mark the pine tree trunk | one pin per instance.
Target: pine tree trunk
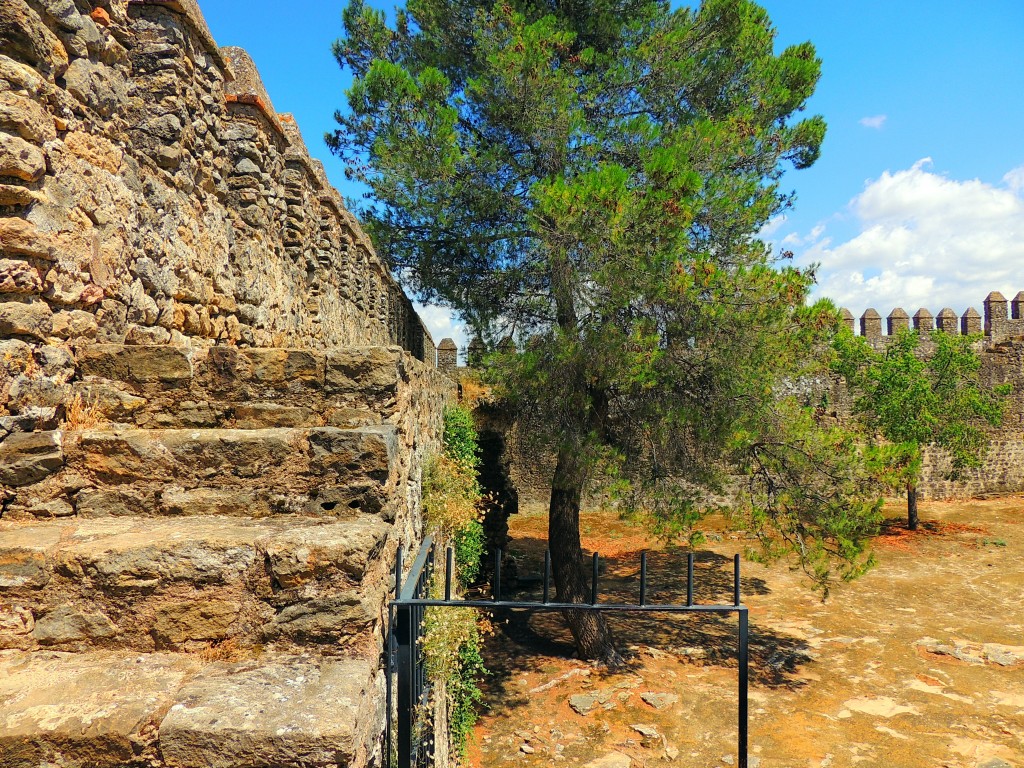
(589, 629)
(911, 507)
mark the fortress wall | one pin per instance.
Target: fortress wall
(149, 193)
(1000, 346)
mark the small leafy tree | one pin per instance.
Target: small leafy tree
(913, 397)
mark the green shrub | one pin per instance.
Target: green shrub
(460, 438)
(469, 546)
(451, 508)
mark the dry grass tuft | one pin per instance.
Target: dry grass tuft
(229, 650)
(82, 414)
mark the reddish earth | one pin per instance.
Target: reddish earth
(919, 663)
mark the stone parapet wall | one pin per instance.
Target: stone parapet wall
(1001, 349)
(1003, 320)
(149, 193)
(215, 407)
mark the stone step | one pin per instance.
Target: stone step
(186, 583)
(174, 710)
(251, 472)
(163, 386)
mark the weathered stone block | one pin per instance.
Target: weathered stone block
(142, 364)
(37, 392)
(372, 371)
(262, 415)
(231, 716)
(114, 502)
(65, 624)
(14, 194)
(16, 620)
(325, 619)
(228, 502)
(178, 623)
(324, 552)
(28, 457)
(74, 324)
(26, 318)
(108, 400)
(99, 707)
(23, 554)
(290, 367)
(356, 496)
(20, 159)
(27, 118)
(24, 36)
(52, 509)
(19, 276)
(19, 237)
(341, 453)
(144, 557)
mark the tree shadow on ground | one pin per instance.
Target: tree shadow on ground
(523, 637)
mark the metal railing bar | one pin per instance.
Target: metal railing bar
(689, 579)
(449, 566)
(418, 567)
(736, 580)
(547, 575)
(702, 608)
(496, 586)
(406, 614)
(744, 664)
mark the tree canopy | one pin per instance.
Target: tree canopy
(589, 177)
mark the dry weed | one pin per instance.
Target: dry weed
(82, 413)
(229, 650)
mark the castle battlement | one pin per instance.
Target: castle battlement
(1002, 320)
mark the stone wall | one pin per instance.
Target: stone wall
(215, 405)
(1001, 349)
(1002, 361)
(150, 194)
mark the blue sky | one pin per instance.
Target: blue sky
(918, 198)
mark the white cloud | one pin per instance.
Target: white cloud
(1015, 179)
(925, 240)
(772, 226)
(795, 239)
(874, 121)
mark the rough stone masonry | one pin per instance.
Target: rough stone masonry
(215, 403)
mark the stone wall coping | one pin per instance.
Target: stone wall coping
(190, 10)
(247, 86)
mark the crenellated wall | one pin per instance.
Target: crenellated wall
(1000, 346)
(149, 193)
(1002, 320)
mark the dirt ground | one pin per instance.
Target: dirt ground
(919, 663)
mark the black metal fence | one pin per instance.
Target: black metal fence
(410, 746)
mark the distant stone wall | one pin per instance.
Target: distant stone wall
(149, 193)
(1002, 361)
(1001, 349)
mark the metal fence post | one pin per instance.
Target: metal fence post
(406, 686)
(744, 669)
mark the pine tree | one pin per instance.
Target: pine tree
(591, 176)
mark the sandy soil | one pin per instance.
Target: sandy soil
(919, 663)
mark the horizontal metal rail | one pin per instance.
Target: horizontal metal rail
(411, 603)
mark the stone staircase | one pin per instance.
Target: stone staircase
(195, 552)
